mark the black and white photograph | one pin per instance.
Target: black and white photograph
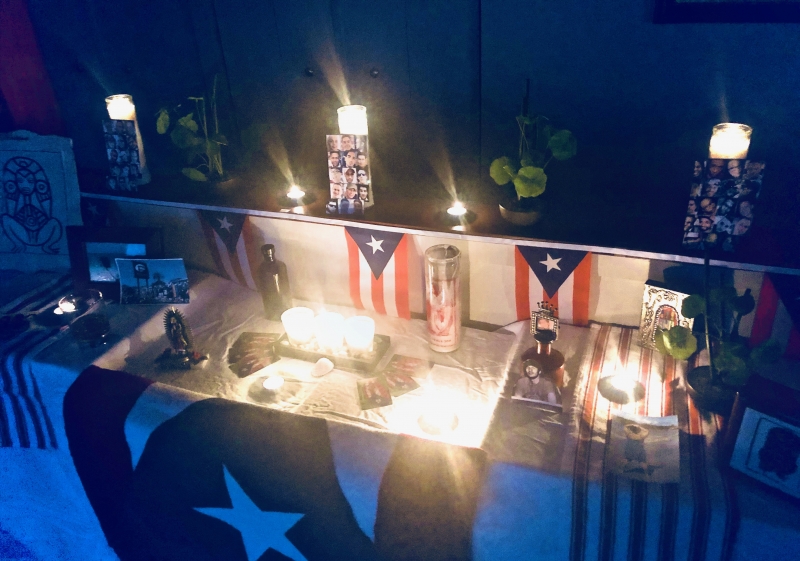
(153, 281)
(349, 173)
(768, 450)
(644, 448)
(722, 201)
(102, 258)
(122, 152)
(535, 386)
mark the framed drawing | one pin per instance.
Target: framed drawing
(763, 436)
(661, 310)
(40, 198)
(93, 251)
(716, 11)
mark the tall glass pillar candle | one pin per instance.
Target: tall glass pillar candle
(120, 107)
(729, 141)
(298, 323)
(329, 330)
(353, 119)
(443, 297)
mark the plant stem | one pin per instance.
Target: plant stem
(706, 282)
(547, 162)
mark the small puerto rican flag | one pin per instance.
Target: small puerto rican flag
(557, 276)
(778, 314)
(378, 275)
(231, 242)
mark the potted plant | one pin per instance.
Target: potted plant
(197, 134)
(713, 386)
(539, 144)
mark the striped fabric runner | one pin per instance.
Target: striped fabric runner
(618, 518)
(24, 420)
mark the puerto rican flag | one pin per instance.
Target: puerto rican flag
(231, 241)
(378, 275)
(556, 276)
(778, 314)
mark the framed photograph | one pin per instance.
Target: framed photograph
(93, 253)
(153, 281)
(722, 202)
(40, 199)
(714, 11)
(349, 173)
(644, 448)
(536, 387)
(661, 311)
(763, 436)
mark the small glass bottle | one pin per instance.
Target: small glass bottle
(273, 284)
(443, 295)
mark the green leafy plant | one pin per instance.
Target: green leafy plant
(197, 134)
(730, 359)
(539, 144)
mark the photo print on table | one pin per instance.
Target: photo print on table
(122, 153)
(721, 202)
(644, 448)
(349, 174)
(153, 281)
(536, 387)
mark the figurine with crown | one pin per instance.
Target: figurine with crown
(544, 328)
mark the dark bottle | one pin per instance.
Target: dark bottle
(273, 284)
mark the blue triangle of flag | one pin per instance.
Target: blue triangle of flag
(376, 246)
(551, 266)
(228, 225)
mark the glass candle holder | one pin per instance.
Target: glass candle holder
(89, 323)
(443, 297)
(353, 119)
(359, 332)
(729, 141)
(298, 323)
(329, 330)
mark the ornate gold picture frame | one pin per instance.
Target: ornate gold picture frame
(661, 310)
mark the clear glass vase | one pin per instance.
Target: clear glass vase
(443, 297)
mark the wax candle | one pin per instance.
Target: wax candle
(458, 209)
(298, 324)
(273, 382)
(295, 193)
(353, 119)
(359, 331)
(729, 141)
(329, 330)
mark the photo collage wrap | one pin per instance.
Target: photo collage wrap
(721, 202)
(349, 174)
(122, 152)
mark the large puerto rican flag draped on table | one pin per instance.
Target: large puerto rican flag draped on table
(231, 242)
(778, 314)
(378, 275)
(557, 276)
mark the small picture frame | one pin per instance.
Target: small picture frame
(93, 251)
(763, 436)
(661, 311)
(544, 323)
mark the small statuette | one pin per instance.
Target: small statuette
(181, 353)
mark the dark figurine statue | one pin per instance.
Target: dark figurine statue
(181, 353)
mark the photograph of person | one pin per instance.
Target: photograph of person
(741, 227)
(691, 210)
(715, 168)
(333, 143)
(735, 168)
(688, 223)
(333, 160)
(535, 386)
(332, 207)
(335, 175)
(725, 206)
(361, 160)
(708, 206)
(712, 186)
(350, 158)
(336, 190)
(696, 188)
(362, 177)
(753, 169)
(705, 222)
(698, 169)
(361, 143)
(351, 191)
(347, 142)
(746, 208)
(723, 225)
(350, 175)
(363, 193)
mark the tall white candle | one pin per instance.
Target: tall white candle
(729, 141)
(353, 119)
(329, 330)
(120, 107)
(359, 331)
(298, 324)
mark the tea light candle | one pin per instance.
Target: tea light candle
(273, 382)
(359, 331)
(353, 119)
(298, 324)
(729, 141)
(296, 193)
(120, 107)
(458, 209)
(329, 330)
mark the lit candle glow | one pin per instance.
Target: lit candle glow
(273, 382)
(359, 332)
(298, 323)
(329, 330)
(458, 209)
(66, 306)
(296, 193)
(353, 119)
(120, 107)
(729, 141)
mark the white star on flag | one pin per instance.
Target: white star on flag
(551, 263)
(93, 209)
(224, 224)
(375, 245)
(260, 530)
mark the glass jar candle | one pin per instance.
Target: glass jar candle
(443, 297)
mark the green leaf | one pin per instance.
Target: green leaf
(188, 122)
(659, 339)
(680, 343)
(184, 138)
(220, 139)
(693, 306)
(194, 174)
(563, 145)
(767, 352)
(530, 182)
(162, 123)
(212, 149)
(734, 370)
(499, 171)
(745, 303)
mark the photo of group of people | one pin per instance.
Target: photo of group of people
(123, 155)
(349, 174)
(721, 202)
